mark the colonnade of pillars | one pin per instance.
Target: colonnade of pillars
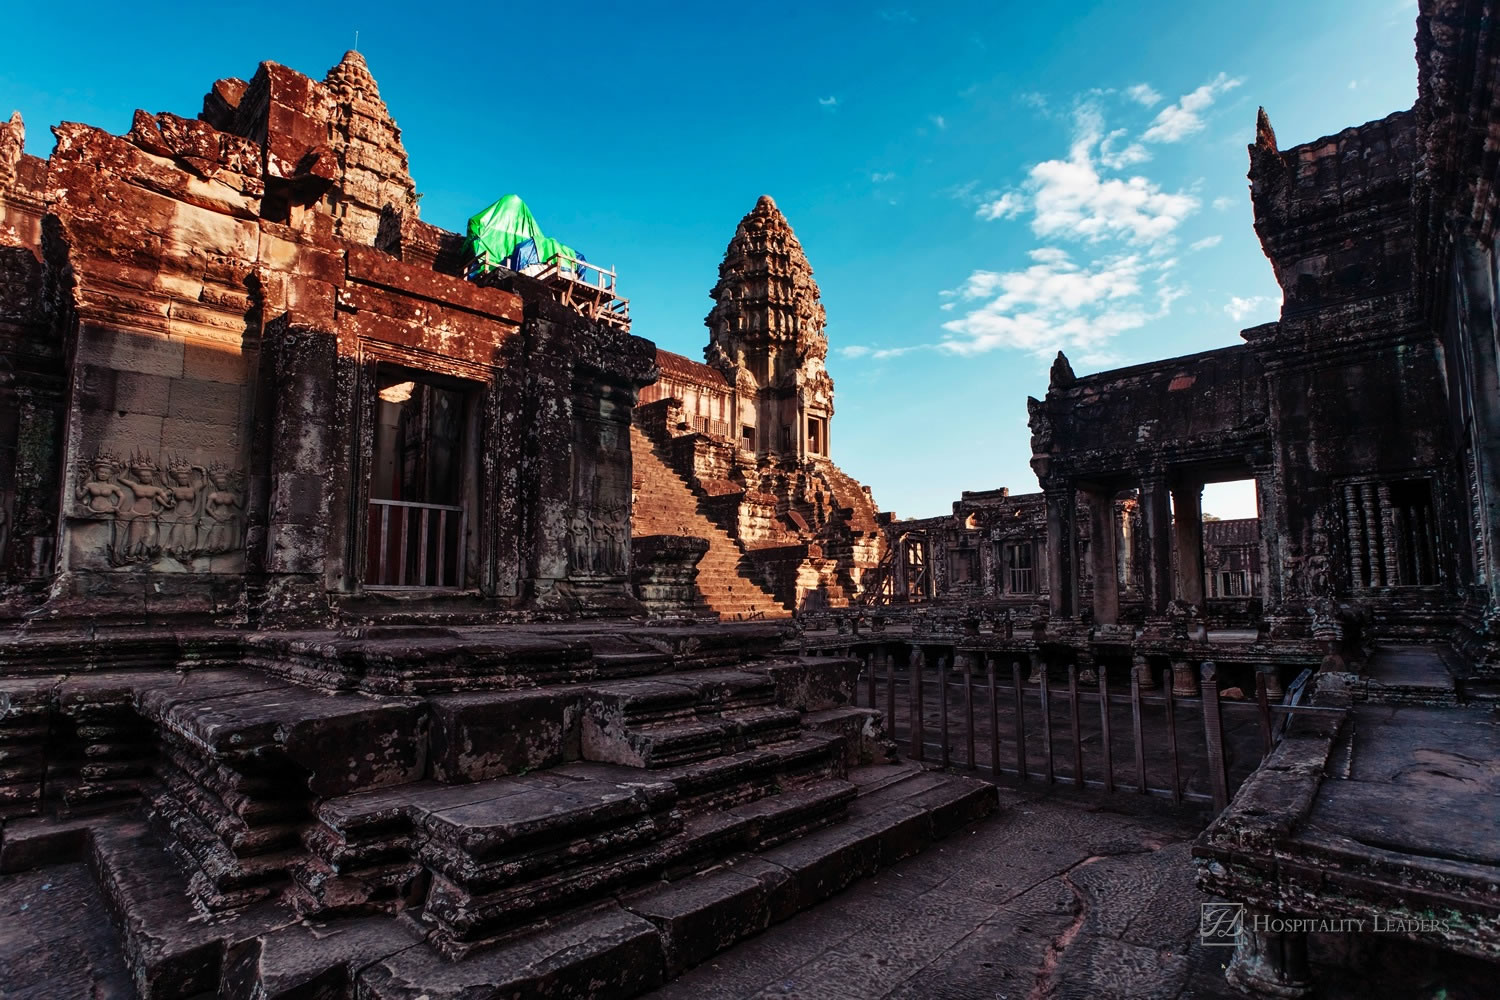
(1165, 533)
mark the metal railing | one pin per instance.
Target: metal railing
(566, 275)
(1174, 745)
(416, 546)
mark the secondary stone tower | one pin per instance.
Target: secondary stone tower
(766, 335)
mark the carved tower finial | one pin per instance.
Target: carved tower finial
(1265, 135)
(1062, 373)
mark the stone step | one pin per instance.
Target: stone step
(622, 948)
(613, 928)
(661, 722)
(862, 730)
(742, 777)
(470, 914)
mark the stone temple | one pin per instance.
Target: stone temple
(323, 650)
(375, 626)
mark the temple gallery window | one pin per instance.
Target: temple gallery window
(418, 519)
(816, 442)
(747, 437)
(963, 566)
(1390, 533)
(1018, 566)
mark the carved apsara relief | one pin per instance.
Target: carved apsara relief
(187, 514)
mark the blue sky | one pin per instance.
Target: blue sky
(976, 185)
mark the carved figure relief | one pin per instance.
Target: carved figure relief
(224, 508)
(194, 512)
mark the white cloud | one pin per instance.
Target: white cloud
(1004, 207)
(853, 351)
(1118, 275)
(902, 16)
(829, 102)
(1055, 304)
(939, 121)
(1178, 121)
(1119, 159)
(881, 178)
(896, 352)
(1206, 242)
(1072, 199)
(1240, 308)
(1224, 203)
(1143, 94)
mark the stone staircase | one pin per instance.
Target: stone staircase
(593, 836)
(666, 505)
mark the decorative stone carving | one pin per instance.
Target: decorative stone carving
(224, 509)
(12, 146)
(198, 511)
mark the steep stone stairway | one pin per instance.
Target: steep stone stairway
(667, 506)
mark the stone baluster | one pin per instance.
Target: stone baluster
(1184, 679)
(1354, 530)
(1372, 522)
(1388, 537)
(1142, 668)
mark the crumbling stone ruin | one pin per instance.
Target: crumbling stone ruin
(748, 433)
(323, 670)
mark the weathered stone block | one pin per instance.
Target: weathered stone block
(481, 736)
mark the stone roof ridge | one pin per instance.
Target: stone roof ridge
(678, 366)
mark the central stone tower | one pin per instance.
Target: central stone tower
(766, 336)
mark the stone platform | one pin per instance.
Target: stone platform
(450, 812)
(1385, 819)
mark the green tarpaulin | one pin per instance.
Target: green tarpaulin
(498, 232)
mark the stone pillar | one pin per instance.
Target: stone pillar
(1268, 512)
(1062, 575)
(1142, 668)
(1184, 679)
(308, 452)
(1156, 520)
(1484, 394)
(1187, 531)
(1269, 963)
(1103, 541)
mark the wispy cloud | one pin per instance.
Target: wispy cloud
(1034, 100)
(939, 121)
(880, 177)
(1073, 199)
(1240, 309)
(1224, 203)
(1176, 122)
(893, 16)
(1119, 277)
(1006, 206)
(829, 102)
(1105, 260)
(853, 351)
(1056, 303)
